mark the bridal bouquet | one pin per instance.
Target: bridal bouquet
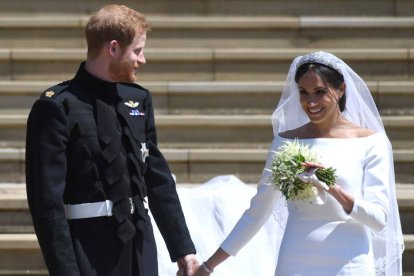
(287, 164)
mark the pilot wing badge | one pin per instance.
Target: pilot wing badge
(134, 111)
(131, 104)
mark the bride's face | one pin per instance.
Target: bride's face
(319, 99)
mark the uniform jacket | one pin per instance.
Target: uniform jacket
(87, 141)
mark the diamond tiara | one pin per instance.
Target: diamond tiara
(320, 57)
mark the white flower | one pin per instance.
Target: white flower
(288, 163)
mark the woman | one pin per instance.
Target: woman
(356, 231)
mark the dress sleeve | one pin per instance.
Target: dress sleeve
(372, 208)
(261, 206)
(47, 136)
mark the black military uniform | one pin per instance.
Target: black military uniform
(91, 141)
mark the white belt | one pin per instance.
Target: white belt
(91, 210)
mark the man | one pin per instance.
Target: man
(92, 160)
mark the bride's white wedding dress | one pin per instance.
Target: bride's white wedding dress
(318, 239)
(324, 239)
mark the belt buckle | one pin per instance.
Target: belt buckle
(108, 208)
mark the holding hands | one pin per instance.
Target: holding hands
(187, 265)
(203, 270)
(207, 268)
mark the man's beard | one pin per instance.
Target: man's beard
(121, 71)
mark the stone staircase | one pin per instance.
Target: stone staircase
(216, 69)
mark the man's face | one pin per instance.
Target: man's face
(125, 64)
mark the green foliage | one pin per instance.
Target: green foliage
(326, 175)
(288, 163)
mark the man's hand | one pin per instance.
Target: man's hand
(187, 265)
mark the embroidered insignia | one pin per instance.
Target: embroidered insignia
(144, 152)
(131, 104)
(49, 94)
(132, 205)
(136, 112)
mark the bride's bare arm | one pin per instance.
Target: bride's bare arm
(217, 258)
(208, 267)
(343, 197)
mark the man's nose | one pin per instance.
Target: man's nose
(141, 59)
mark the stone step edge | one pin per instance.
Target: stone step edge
(204, 155)
(18, 118)
(29, 242)
(220, 22)
(214, 54)
(380, 87)
(13, 196)
(33, 272)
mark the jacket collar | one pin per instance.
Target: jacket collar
(100, 88)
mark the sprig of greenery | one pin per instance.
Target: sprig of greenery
(326, 175)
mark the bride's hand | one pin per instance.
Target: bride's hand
(197, 272)
(310, 177)
(309, 165)
(201, 272)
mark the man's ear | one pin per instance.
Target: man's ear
(113, 47)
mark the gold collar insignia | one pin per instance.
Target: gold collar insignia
(49, 94)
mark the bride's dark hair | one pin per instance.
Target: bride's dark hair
(327, 74)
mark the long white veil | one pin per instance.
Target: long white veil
(213, 208)
(211, 211)
(361, 110)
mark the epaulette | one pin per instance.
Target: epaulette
(53, 91)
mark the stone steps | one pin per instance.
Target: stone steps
(207, 64)
(210, 131)
(217, 97)
(40, 272)
(211, 57)
(18, 245)
(219, 7)
(200, 164)
(15, 217)
(66, 31)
